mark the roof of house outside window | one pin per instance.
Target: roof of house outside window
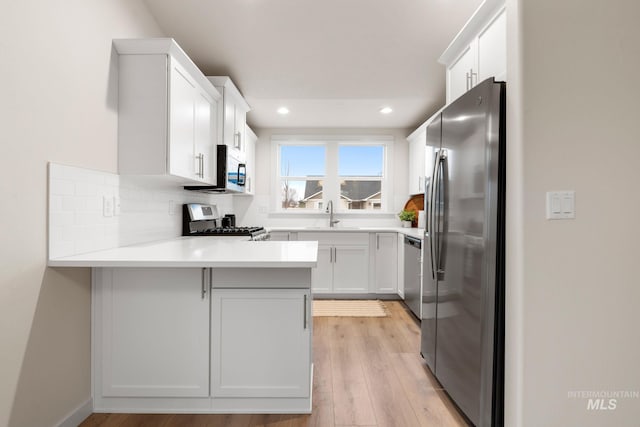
(351, 190)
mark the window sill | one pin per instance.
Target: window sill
(322, 214)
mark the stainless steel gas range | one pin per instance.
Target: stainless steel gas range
(203, 220)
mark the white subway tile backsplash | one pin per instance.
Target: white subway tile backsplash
(61, 187)
(55, 203)
(86, 189)
(76, 221)
(61, 248)
(70, 203)
(91, 204)
(62, 218)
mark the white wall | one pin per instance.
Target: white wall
(572, 286)
(58, 103)
(257, 210)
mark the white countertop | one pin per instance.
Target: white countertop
(200, 252)
(414, 232)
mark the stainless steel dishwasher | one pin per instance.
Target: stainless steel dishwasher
(412, 274)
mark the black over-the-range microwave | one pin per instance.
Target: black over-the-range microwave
(231, 174)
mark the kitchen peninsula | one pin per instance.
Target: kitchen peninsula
(194, 324)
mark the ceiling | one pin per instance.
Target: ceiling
(333, 63)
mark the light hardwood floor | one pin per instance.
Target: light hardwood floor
(368, 372)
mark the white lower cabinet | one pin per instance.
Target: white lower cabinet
(322, 276)
(154, 332)
(350, 268)
(261, 342)
(386, 263)
(343, 262)
(169, 340)
(283, 236)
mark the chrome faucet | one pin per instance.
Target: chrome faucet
(329, 210)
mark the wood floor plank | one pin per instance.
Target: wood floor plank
(352, 402)
(322, 372)
(367, 372)
(430, 404)
(322, 411)
(390, 403)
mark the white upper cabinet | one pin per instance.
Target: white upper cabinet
(420, 158)
(479, 51)
(250, 160)
(232, 115)
(462, 73)
(492, 49)
(417, 164)
(167, 113)
(205, 136)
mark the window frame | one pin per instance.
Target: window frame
(331, 183)
(280, 177)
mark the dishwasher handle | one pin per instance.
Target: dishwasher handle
(413, 241)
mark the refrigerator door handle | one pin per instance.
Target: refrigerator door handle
(442, 235)
(431, 217)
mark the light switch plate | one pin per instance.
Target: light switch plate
(561, 205)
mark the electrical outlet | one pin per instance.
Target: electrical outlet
(172, 207)
(107, 206)
(262, 209)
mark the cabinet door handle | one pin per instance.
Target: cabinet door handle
(335, 254)
(471, 74)
(304, 316)
(237, 139)
(200, 171)
(204, 284)
(378, 241)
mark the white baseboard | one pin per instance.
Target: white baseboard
(78, 415)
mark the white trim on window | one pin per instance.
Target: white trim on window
(331, 186)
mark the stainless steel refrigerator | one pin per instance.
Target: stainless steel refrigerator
(463, 278)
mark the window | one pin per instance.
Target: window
(302, 171)
(360, 171)
(350, 171)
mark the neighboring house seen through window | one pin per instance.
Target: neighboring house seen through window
(349, 171)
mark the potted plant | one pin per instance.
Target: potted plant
(407, 217)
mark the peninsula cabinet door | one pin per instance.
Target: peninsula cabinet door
(261, 342)
(154, 328)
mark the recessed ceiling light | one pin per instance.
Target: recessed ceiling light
(386, 110)
(283, 110)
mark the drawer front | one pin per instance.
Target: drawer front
(336, 237)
